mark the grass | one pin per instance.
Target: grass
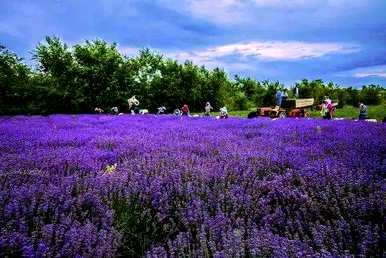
(375, 112)
(240, 113)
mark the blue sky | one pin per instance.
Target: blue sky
(343, 41)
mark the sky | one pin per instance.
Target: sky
(343, 41)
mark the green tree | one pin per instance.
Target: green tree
(371, 94)
(98, 72)
(14, 83)
(147, 73)
(317, 89)
(269, 98)
(58, 75)
(218, 90)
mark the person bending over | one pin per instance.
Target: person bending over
(185, 110)
(362, 111)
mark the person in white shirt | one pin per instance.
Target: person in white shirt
(208, 108)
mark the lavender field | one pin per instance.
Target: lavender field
(133, 186)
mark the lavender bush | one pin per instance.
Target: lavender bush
(107, 186)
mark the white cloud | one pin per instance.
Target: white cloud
(244, 53)
(269, 50)
(377, 71)
(197, 59)
(363, 72)
(370, 74)
(266, 3)
(208, 61)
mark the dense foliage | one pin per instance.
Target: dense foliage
(103, 186)
(79, 78)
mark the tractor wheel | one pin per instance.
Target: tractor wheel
(253, 115)
(273, 114)
(282, 115)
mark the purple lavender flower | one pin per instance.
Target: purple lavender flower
(104, 186)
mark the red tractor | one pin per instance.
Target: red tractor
(289, 108)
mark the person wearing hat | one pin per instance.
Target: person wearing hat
(223, 113)
(161, 110)
(114, 110)
(177, 112)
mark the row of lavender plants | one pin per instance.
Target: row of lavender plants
(133, 186)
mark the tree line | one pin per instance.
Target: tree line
(93, 74)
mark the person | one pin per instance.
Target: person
(133, 105)
(284, 96)
(279, 98)
(296, 91)
(362, 111)
(330, 109)
(143, 111)
(223, 113)
(327, 100)
(208, 108)
(185, 110)
(327, 108)
(114, 110)
(132, 102)
(161, 110)
(98, 110)
(177, 112)
(324, 110)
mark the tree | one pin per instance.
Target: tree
(58, 74)
(98, 72)
(218, 89)
(14, 82)
(269, 98)
(371, 94)
(147, 73)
